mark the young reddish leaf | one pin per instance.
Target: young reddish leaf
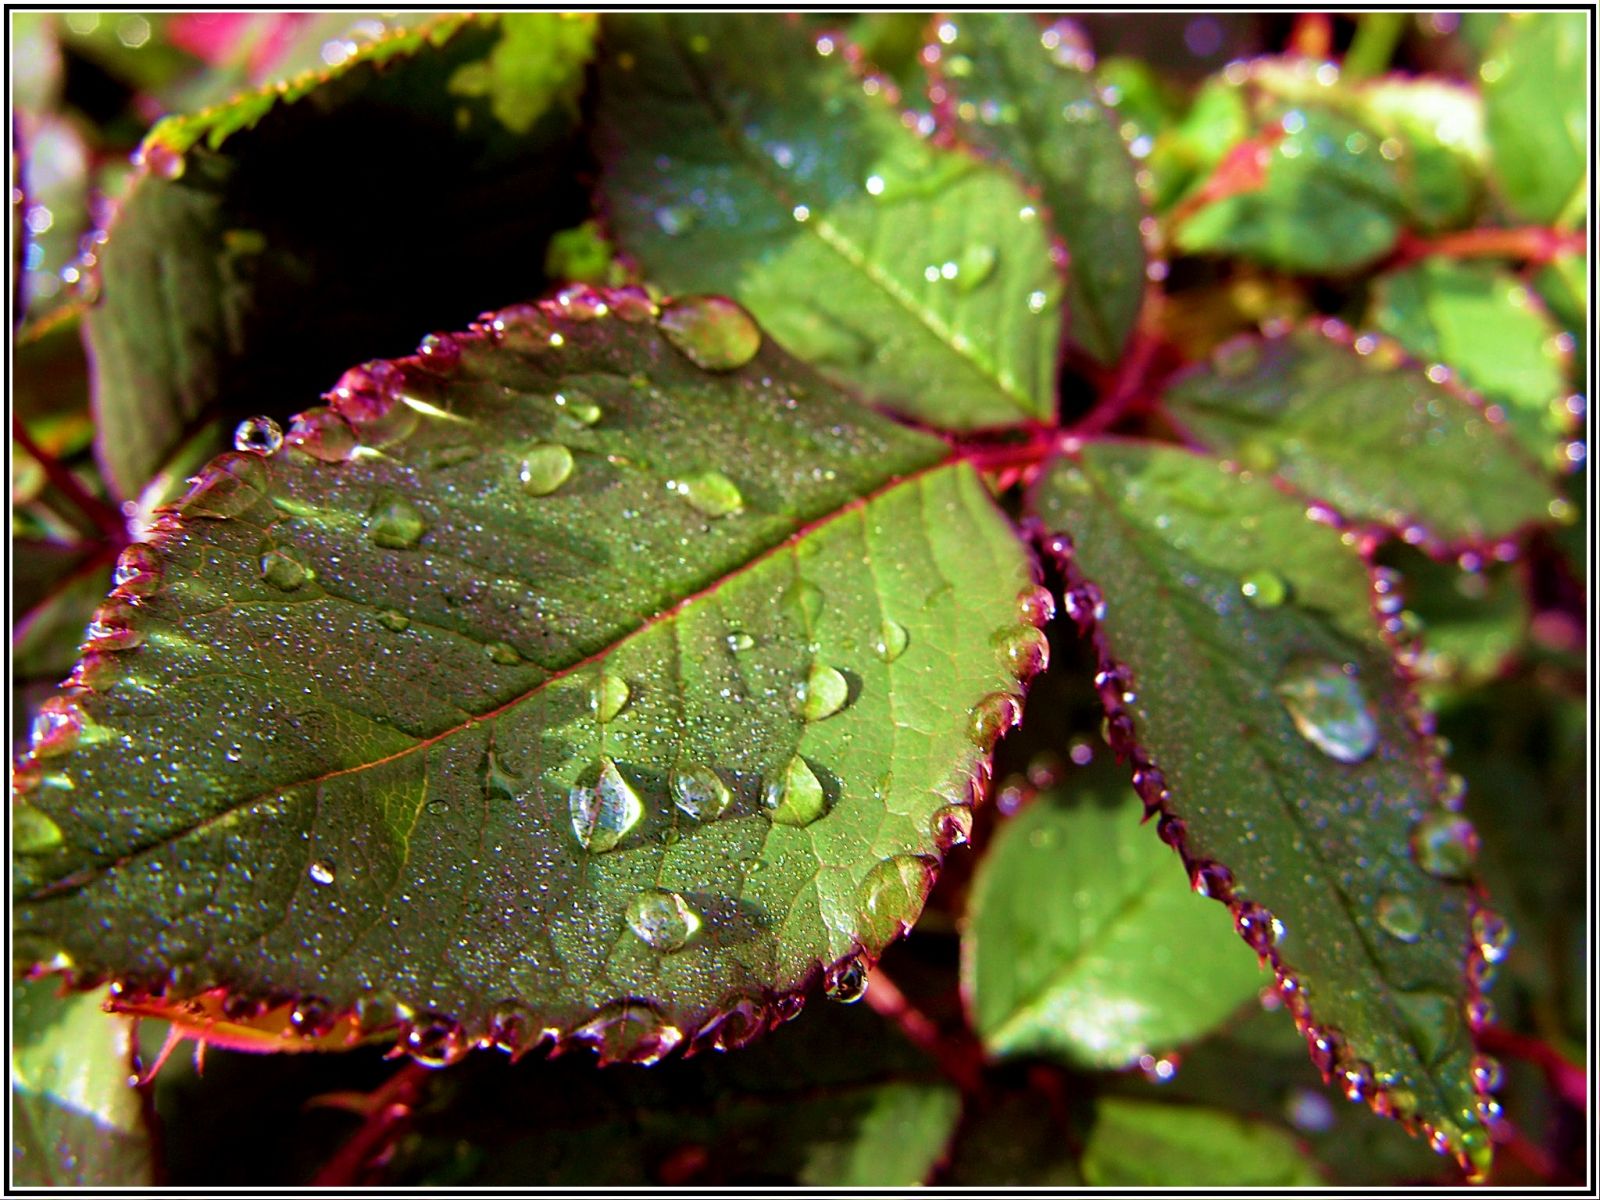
(542, 685)
(1026, 95)
(1357, 426)
(740, 157)
(1269, 726)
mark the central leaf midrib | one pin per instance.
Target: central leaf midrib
(861, 263)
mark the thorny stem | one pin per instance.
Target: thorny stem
(958, 1057)
(391, 1106)
(106, 519)
(1568, 1079)
(1533, 243)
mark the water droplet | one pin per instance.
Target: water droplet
(824, 692)
(1445, 845)
(441, 351)
(795, 797)
(603, 815)
(323, 434)
(578, 406)
(1037, 605)
(1026, 651)
(32, 832)
(258, 435)
(545, 468)
(993, 716)
(57, 727)
(391, 618)
(699, 792)
(845, 981)
(1258, 927)
(1492, 935)
(395, 525)
(1329, 709)
(976, 265)
(891, 641)
(952, 827)
(739, 641)
(321, 873)
(1487, 1074)
(1264, 588)
(804, 598)
(1213, 880)
(1400, 916)
(712, 332)
(283, 569)
(663, 920)
(502, 654)
(227, 486)
(138, 571)
(737, 1027)
(435, 1041)
(609, 697)
(710, 493)
(891, 895)
(438, 807)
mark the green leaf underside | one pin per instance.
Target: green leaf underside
(1482, 320)
(75, 1120)
(1084, 938)
(1321, 842)
(1023, 102)
(1536, 78)
(358, 788)
(1372, 436)
(317, 227)
(1328, 201)
(1141, 1143)
(920, 276)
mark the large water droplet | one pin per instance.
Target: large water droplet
(952, 827)
(845, 981)
(609, 697)
(1026, 650)
(976, 265)
(795, 797)
(804, 599)
(258, 435)
(226, 487)
(32, 832)
(1035, 604)
(323, 434)
(739, 641)
(441, 351)
(1445, 845)
(603, 815)
(57, 727)
(891, 896)
(138, 571)
(1400, 916)
(545, 468)
(435, 1040)
(663, 920)
(712, 332)
(1329, 709)
(711, 493)
(579, 406)
(699, 792)
(891, 641)
(283, 568)
(395, 525)
(824, 692)
(993, 716)
(393, 618)
(1264, 588)
(321, 873)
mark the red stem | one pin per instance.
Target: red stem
(1129, 385)
(1534, 243)
(392, 1103)
(105, 518)
(1567, 1079)
(1312, 36)
(958, 1058)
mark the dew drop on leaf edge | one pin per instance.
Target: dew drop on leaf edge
(712, 332)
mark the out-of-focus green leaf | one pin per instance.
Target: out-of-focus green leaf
(579, 687)
(835, 1100)
(1138, 1143)
(1319, 198)
(891, 41)
(1437, 142)
(738, 158)
(75, 1122)
(55, 179)
(1473, 622)
(1265, 697)
(1181, 157)
(1536, 81)
(1356, 427)
(271, 240)
(1084, 939)
(1564, 284)
(1484, 323)
(1025, 95)
(46, 636)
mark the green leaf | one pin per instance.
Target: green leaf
(1148, 1144)
(1438, 145)
(269, 241)
(1325, 200)
(75, 1122)
(1483, 321)
(1084, 939)
(1278, 728)
(592, 688)
(1217, 120)
(737, 160)
(1021, 94)
(1563, 283)
(1360, 429)
(1473, 621)
(1535, 87)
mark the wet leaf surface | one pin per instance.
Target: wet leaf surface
(1367, 433)
(1026, 95)
(738, 158)
(258, 251)
(1284, 750)
(1084, 939)
(567, 686)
